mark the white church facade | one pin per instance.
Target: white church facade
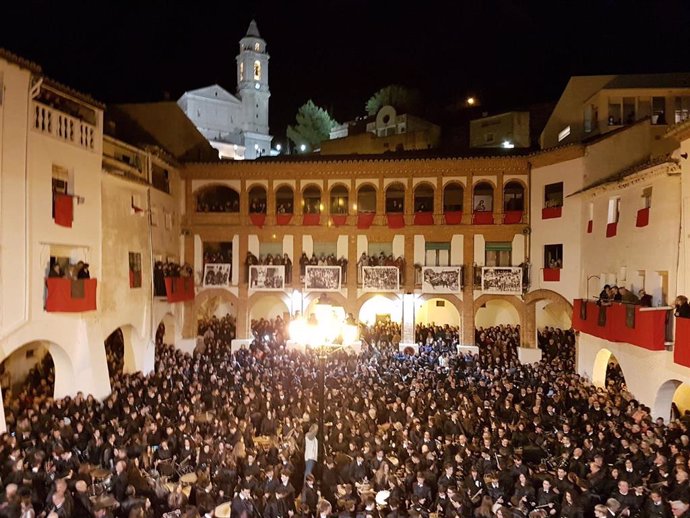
(236, 125)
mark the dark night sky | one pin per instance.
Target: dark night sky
(507, 52)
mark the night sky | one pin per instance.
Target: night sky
(509, 53)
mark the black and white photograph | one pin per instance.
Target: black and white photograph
(217, 275)
(441, 279)
(502, 280)
(380, 278)
(266, 278)
(322, 278)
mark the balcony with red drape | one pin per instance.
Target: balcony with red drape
(395, 220)
(483, 218)
(70, 296)
(311, 220)
(365, 219)
(424, 218)
(179, 289)
(283, 219)
(453, 217)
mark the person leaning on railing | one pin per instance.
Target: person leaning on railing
(682, 308)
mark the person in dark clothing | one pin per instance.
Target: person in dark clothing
(682, 308)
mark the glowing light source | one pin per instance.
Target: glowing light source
(507, 144)
(471, 101)
(278, 147)
(303, 148)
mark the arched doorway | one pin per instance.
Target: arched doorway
(380, 307)
(366, 199)
(513, 197)
(257, 199)
(453, 194)
(269, 306)
(115, 353)
(607, 372)
(424, 198)
(340, 199)
(165, 333)
(311, 200)
(217, 198)
(496, 312)
(438, 311)
(395, 198)
(285, 200)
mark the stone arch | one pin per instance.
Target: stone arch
(602, 360)
(335, 298)
(396, 313)
(515, 302)
(216, 197)
(395, 197)
(560, 308)
(339, 198)
(423, 197)
(365, 201)
(312, 198)
(665, 395)
(268, 304)
(257, 198)
(453, 300)
(514, 196)
(129, 336)
(285, 198)
(452, 201)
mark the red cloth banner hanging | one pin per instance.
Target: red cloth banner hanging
(453, 217)
(339, 219)
(64, 209)
(551, 212)
(179, 289)
(681, 349)
(512, 217)
(396, 220)
(70, 296)
(258, 219)
(642, 218)
(365, 219)
(611, 229)
(283, 219)
(590, 226)
(552, 274)
(424, 218)
(483, 218)
(311, 219)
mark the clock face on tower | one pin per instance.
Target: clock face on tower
(257, 86)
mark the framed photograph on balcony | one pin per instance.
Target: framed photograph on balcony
(322, 278)
(441, 279)
(266, 277)
(502, 280)
(380, 278)
(217, 275)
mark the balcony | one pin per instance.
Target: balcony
(179, 289)
(681, 349)
(69, 129)
(643, 327)
(70, 296)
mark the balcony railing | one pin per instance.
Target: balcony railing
(64, 127)
(644, 327)
(70, 296)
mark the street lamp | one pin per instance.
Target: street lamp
(327, 330)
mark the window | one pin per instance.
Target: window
(646, 198)
(498, 254)
(513, 197)
(257, 70)
(134, 270)
(615, 111)
(257, 47)
(659, 110)
(61, 187)
(437, 254)
(629, 110)
(614, 210)
(241, 71)
(553, 195)
(553, 256)
(565, 132)
(682, 112)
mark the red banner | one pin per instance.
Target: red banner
(642, 218)
(681, 349)
(453, 217)
(590, 225)
(70, 296)
(611, 229)
(339, 219)
(311, 219)
(64, 209)
(396, 220)
(552, 274)
(483, 218)
(424, 218)
(179, 289)
(551, 212)
(365, 219)
(283, 219)
(258, 219)
(512, 217)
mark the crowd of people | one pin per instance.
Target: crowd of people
(78, 270)
(213, 203)
(270, 260)
(163, 269)
(323, 260)
(381, 260)
(233, 434)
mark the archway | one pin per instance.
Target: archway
(439, 311)
(257, 199)
(395, 198)
(311, 200)
(380, 307)
(607, 372)
(268, 306)
(672, 399)
(340, 199)
(491, 312)
(513, 197)
(453, 194)
(483, 197)
(165, 333)
(217, 198)
(366, 199)
(285, 200)
(546, 308)
(424, 198)
(119, 350)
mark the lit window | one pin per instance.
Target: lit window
(241, 71)
(257, 47)
(614, 210)
(563, 133)
(553, 256)
(257, 69)
(647, 198)
(553, 195)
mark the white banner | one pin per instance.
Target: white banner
(502, 280)
(322, 278)
(380, 278)
(267, 277)
(217, 274)
(441, 279)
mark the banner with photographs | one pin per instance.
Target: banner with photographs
(380, 278)
(322, 278)
(441, 279)
(217, 275)
(267, 277)
(502, 280)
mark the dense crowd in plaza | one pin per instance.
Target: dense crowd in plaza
(435, 434)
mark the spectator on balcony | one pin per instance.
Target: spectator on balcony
(56, 270)
(682, 308)
(605, 296)
(645, 299)
(627, 296)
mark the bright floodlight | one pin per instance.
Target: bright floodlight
(327, 327)
(278, 147)
(303, 148)
(508, 145)
(471, 101)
